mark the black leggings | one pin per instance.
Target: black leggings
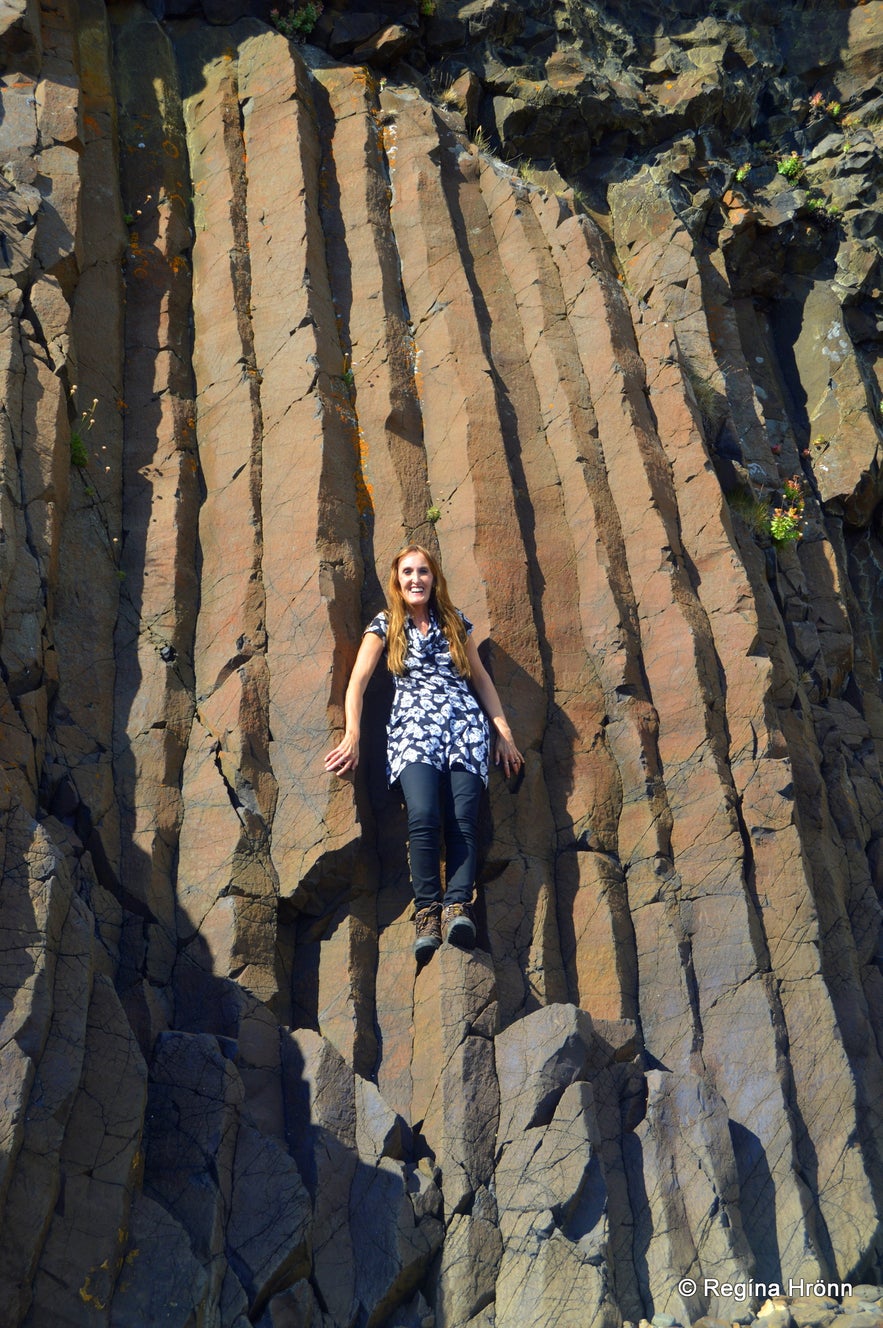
(424, 788)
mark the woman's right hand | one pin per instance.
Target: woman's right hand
(344, 757)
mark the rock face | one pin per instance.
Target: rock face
(267, 312)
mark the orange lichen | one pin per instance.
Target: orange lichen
(364, 490)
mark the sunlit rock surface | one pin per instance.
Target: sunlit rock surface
(267, 311)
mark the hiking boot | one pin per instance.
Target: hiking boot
(427, 927)
(458, 924)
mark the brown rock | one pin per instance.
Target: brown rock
(316, 322)
(460, 422)
(455, 1087)
(350, 29)
(387, 45)
(154, 631)
(270, 1213)
(465, 91)
(20, 31)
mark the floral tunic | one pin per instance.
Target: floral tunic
(435, 719)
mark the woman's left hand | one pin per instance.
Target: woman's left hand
(507, 755)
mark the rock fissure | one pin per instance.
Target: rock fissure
(625, 350)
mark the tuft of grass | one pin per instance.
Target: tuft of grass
(752, 511)
(711, 408)
(528, 173)
(79, 455)
(85, 420)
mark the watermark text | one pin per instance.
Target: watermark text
(743, 1291)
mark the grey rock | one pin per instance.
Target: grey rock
(161, 1281)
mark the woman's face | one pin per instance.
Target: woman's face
(415, 579)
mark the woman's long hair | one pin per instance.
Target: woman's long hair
(439, 600)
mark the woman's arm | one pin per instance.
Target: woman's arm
(345, 756)
(505, 750)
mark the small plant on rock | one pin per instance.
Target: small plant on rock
(743, 172)
(79, 455)
(818, 106)
(298, 22)
(791, 167)
(753, 511)
(712, 407)
(433, 514)
(449, 96)
(427, 8)
(825, 213)
(786, 522)
(528, 172)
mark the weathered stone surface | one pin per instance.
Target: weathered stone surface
(265, 313)
(694, 1221)
(20, 32)
(193, 1106)
(161, 1281)
(453, 1070)
(470, 1262)
(101, 1164)
(270, 1212)
(549, 1184)
(381, 1252)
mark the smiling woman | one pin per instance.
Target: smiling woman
(438, 738)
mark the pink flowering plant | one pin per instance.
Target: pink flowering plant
(786, 522)
(818, 106)
(298, 21)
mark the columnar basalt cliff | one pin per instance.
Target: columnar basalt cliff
(568, 294)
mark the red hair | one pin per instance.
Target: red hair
(450, 620)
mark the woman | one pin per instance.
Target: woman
(438, 739)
